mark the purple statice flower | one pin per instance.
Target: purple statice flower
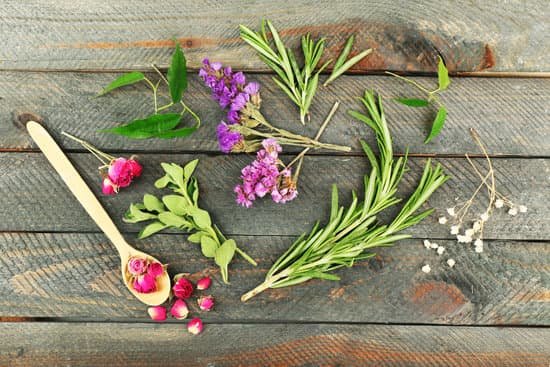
(227, 87)
(286, 190)
(227, 138)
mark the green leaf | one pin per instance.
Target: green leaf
(152, 203)
(147, 128)
(193, 188)
(201, 218)
(178, 133)
(334, 205)
(189, 168)
(137, 214)
(345, 52)
(173, 220)
(177, 75)
(162, 182)
(195, 237)
(225, 253)
(437, 124)
(151, 229)
(209, 246)
(176, 204)
(336, 72)
(442, 75)
(175, 172)
(123, 80)
(413, 102)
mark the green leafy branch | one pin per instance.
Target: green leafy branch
(352, 232)
(432, 98)
(182, 212)
(158, 125)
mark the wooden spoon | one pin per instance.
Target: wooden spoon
(85, 196)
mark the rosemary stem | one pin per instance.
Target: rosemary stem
(246, 256)
(265, 285)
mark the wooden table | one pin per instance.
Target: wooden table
(62, 301)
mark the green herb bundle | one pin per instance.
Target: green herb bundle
(352, 232)
(182, 211)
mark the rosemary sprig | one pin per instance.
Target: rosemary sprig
(300, 84)
(352, 231)
(342, 65)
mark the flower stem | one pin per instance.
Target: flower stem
(245, 256)
(96, 152)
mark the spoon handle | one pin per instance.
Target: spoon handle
(76, 184)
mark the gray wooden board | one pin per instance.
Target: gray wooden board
(472, 36)
(35, 198)
(81, 344)
(76, 275)
(512, 115)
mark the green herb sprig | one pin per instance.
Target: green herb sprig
(432, 98)
(342, 65)
(182, 211)
(158, 125)
(352, 232)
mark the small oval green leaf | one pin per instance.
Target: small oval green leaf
(225, 253)
(201, 218)
(442, 75)
(123, 80)
(151, 229)
(195, 237)
(152, 203)
(413, 102)
(177, 75)
(173, 220)
(162, 182)
(209, 246)
(175, 203)
(437, 124)
(190, 168)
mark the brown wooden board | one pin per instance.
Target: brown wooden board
(511, 115)
(81, 344)
(406, 36)
(36, 199)
(77, 276)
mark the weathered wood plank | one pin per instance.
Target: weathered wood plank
(56, 344)
(512, 115)
(77, 276)
(37, 200)
(470, 36)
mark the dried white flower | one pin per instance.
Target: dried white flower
(451, 262)
(451, 212)
(513, 211)
(479, 249)
(477, 226)
(484, 217)
(478, 242)
(426, 268)
(469, 232)
(427, 244)
(442, 220)
(463, 239)
(434, 245)
(522, 209)
(499, 203)
(455, 229)
(440, 250)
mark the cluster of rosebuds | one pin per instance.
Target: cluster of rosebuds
(143, 274)
(116, 172)
(182, 290)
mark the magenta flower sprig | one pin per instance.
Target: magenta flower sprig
(115, 172)
(245, 127)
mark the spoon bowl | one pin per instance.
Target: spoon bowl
(91, 204)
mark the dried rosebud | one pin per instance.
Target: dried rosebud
(108, 187)
(145, 283)
(183, 288)
(204, 283)
(135, 167)
(179, 309)
(137, 265)
(157, 313)
(194, 326)
(206, 303)
(155, 269)
(120, 172)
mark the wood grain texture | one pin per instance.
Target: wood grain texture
(471, 36)
(512, 115)
(56, 344)
(37, 200)
(76, 276)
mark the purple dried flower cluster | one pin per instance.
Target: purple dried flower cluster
(232, 92)
(263, 177)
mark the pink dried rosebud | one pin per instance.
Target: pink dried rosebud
(204, 283)
(108, 187)
(120, 172)
(137, 265)
(206, 303)
(145, 283)
(135, 167)
(183, 288)
(179, 309)
(157, 313)
(155, 269)
(195, 326)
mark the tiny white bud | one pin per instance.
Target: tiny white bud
(484, 217)
(477, 225)
(451, 212)
(427, 244)
(442, 220)
(469, 232)
(478, 242)
(463, 239)
(499, 203)
(451, 262)
(513, 211)
(426, 268)
(479, 249)
(434, 245)
(522, 209)
(440, 250)
(455, 229)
